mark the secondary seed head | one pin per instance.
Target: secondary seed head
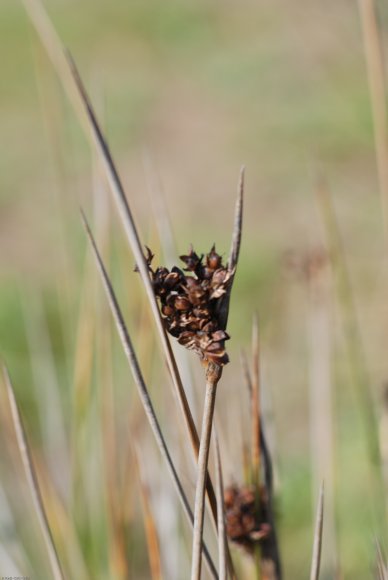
(246, 521)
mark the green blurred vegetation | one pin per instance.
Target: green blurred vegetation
(204, 86)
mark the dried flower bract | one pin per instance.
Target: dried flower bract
(189, 302)
(246, 522)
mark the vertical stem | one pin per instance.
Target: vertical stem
(321, 405)
(255, 406)
(255, 425)
(222, 541)
(213, 375)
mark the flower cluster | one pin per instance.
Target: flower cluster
(246, 522)
(190, 301)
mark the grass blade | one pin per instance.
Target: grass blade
(32, 479)
(142, 389)
(317, 546)
(238, 219)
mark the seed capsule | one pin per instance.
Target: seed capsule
(182, 303)
(213, 260)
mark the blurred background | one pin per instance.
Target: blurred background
(187, 92)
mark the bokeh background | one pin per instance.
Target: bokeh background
(187, 92)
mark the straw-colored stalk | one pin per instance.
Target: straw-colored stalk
(222, 541)
(213, 375)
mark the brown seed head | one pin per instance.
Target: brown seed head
(189, 302)
(246, 522)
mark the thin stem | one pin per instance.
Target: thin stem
(222, 542)
(213, 375)
(223, 309)
(317, 548)
(32, 480)
(255, 406)
(255, 426)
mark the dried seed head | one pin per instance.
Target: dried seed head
(246, 521)
(189, 302)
